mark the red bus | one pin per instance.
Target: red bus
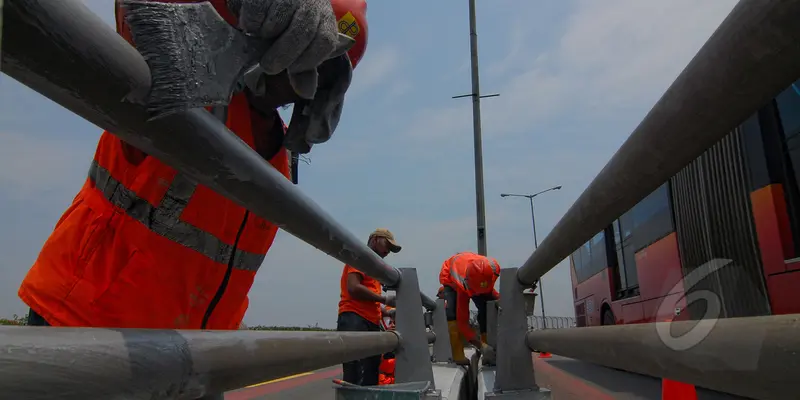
(736, 206)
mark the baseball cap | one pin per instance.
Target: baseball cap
(386, 234)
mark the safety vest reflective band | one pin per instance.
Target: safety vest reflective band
(449, 273)
(164, 219)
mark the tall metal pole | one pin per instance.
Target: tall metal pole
(535, 245)
(1, 29)
(476, 125)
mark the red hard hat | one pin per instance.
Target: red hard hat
(480, 276)
(351, 18)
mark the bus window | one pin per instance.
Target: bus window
(586, 260)
(631, 275)
(652, 218)
(619, 271)
(626, 253)
(576, 265)
(599, 259)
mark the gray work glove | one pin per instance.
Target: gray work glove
(303, 35)
(390, 299)
(313, 121)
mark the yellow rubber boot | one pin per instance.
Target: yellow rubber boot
(456, 346)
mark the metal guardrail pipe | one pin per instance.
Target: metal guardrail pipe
(84, 363)
(752, 56)
(82, 64)
(754, 357)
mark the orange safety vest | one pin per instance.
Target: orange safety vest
(143, 246)
(454, 270)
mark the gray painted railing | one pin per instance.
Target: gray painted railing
(66, 53)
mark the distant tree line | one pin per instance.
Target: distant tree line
(15, 320)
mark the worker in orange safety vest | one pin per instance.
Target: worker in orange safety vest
(464, 277)
(144, 246)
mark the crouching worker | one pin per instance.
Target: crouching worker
(464, 277)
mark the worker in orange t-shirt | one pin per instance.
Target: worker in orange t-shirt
(360, 308)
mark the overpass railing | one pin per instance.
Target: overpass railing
(752, 56)
(65, 52)
(538, 322)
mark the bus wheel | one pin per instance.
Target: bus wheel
(608, 318)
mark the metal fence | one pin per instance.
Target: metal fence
(538, 322)
(65, 52)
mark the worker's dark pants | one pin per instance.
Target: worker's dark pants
(360, 372)
(480, 301)
(35, 319)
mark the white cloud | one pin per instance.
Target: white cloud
(374, 69)
(612, 54)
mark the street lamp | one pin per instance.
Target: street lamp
(476, 128)
(535, 240)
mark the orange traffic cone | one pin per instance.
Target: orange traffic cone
(544, 354)
(674, 390)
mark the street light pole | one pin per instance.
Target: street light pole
(480, 202)
(476, 126)
(535, 240)
(536, 246)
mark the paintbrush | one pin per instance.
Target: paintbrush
(196, 58)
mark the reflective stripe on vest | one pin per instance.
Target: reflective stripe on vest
(454, 274)
(495, 267)
(164, 220)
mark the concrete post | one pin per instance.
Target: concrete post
(514, 376)
(491, 323)
(441, 348)
(413, 360)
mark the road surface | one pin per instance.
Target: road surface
(576, 380)
(567, 378)
(315, 385)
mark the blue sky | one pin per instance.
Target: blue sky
(575, 78)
